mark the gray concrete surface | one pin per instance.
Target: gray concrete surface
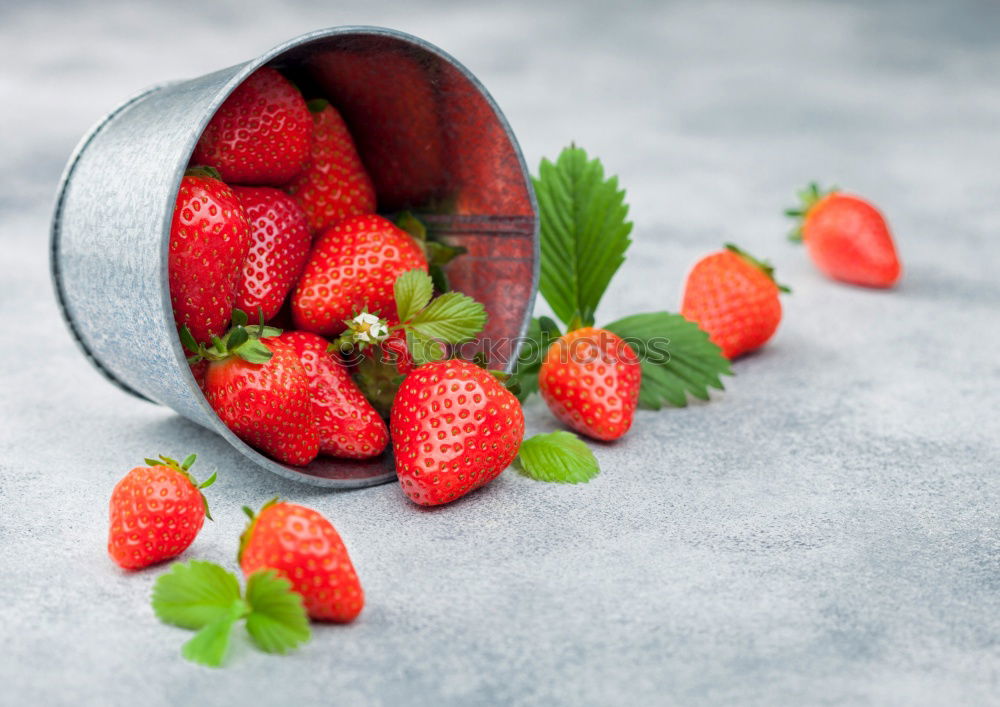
(825, 532)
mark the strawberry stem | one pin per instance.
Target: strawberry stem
(808, 198)
(763, 265)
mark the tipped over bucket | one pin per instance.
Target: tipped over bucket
(432, 139)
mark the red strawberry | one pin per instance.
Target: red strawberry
(209, 238)
(454, 429)
(198, 371)
(590, 379)
(301, 545)
(260, 134)
(156, 512)
(279, 247)
(352, 267)
(847, 238)
(348, 425)
(734, 298)
(392, 101)
(334, 183)
(258, 387)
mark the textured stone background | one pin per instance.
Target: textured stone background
(824, 532)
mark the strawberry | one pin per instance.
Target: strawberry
(257, 386)
(261, 134)
(279, 247)
(348, 425)
(734, 298)
(156, 512)
(590, 380)
(454, 428)
(392, 100)
(847, 237)
(301, 545)
(352, 267)
(209, 239)
(334, 183)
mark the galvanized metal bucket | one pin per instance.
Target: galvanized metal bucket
(431, 137)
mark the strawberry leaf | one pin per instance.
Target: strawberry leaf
(559, 457)
(542, 331)
(677, 358)
(584, 234)
(194, 594)
(452, 317)
(203, 596)
(277, 622)
(209, 645)
(423, 350)
(413, 290)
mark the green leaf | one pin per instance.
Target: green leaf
(209, 645)
(277, 622)
(439, 277)
(542, 331)
(423, 350)
(677, 358)
(194, 594)
(441, 254)
(413, 290)
(559, 456)
(412, 225)
(452, 317)
(584, 233)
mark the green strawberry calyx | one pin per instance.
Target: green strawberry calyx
(203, 171)
(437, 252)
(183, 468)
(317, 105)
(763, 265)
(248, 531)
(808, 198)
(242, 340)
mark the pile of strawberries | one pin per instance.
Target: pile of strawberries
(275, 222)
(314, 326)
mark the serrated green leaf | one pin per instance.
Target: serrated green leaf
(541, 332)
(194, 594)
(678, 359)
(209, 645)
(423, 350)
(584, 233)
(277, 622)
(452, 317)
(559, 457)
(413, 290)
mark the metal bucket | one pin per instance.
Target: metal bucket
(431, 137)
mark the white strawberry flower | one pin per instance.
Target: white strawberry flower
(368, 328)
